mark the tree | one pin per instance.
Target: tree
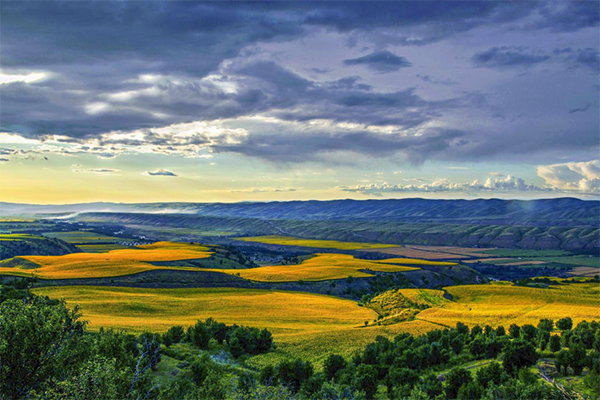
(97, 378)
(173, 335)
(199, 335)
(514, 331)
(519, 354)
(492, 374)
(470, 391)
(333, 365)
(546, 325)
(462, 329)
(528, 332)
(37, 341)
(293, 373)
(565, 324)
(477, 347)
(401, 376)
(455, 379)
(432, 385)
(543, 337)
(562, 362)
(555, 343)
(500, 331)
(577, 358)
(365, 379)
(476, 330)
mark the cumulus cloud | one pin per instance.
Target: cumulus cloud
(161, 172)
(574, 176)
(508, 184)
(507, 57)
(380, 61)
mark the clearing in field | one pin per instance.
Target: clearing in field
(99, 265)
(325, 266)
(324, 244)
(303, 324)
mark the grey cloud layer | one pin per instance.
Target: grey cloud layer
(151, 67)
(381, 61)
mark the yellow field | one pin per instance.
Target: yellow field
(504, 304)
(324, 244)
(322, 267)
(113, 263)
(310, 325)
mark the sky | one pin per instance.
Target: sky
(223, 102)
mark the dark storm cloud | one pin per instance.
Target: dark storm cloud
(507, 57)
(380, 61)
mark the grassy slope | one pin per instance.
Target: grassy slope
(505, 304)
(313, 325)
(324, 266)
(304, 324)
(113, 263)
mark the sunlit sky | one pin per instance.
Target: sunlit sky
(216, 101)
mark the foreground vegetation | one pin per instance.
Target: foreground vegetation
(313, 325)
(47, 352)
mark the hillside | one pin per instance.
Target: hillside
(544, 212)
(578, 239)
(22, 244)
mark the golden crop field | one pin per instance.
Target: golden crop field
(324, 244)
(508, 304)
(303, 324)
(322, 267)
(114, 263)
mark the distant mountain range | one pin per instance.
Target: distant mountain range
(545, 212)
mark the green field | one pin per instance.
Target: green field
(526, 253)
(324, 244)
(84, 237)
(18, 236)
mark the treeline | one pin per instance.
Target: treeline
(239, 340)
(409, 366)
